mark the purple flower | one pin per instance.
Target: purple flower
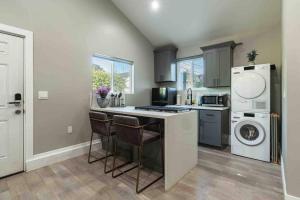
(103, 91)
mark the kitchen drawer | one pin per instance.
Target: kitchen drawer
(210, 115)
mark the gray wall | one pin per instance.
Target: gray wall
(266, 42)
(291, 95)
(66, 34)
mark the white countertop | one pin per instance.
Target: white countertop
(180, 139)
(194, 107)
(130, 110)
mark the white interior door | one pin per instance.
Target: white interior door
(11, 108)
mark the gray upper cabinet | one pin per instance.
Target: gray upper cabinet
(211, 60)
(165, 64)
(225, 64)
(218, 60)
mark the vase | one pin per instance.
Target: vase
(103, 102)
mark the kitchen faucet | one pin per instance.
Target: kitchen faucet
(189, 96)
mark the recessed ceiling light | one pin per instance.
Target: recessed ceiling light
(155, 5)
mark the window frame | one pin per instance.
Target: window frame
(178, 72)
(113, 60)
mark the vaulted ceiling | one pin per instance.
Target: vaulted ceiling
(184, 22)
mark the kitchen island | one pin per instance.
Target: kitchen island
(180, 139)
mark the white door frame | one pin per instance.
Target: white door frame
(28, 86)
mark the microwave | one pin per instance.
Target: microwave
(163, 96)
(214, 100)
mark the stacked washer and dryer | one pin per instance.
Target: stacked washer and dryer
(250, 113)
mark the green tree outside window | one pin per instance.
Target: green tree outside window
(103, 78)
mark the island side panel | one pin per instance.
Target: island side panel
(181, 146)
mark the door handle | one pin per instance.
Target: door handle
(18, 98)
(14, 102)
(17, 103)
(17, 112)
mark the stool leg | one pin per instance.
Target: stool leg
(140, 162)
(106, 156)
(97, 159)
(140, 153)
(89, 158)
(120, 166)
(115, 156)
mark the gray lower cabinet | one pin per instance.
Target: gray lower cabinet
(214, 127)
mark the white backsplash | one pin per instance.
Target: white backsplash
(205, 91)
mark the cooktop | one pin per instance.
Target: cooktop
(162, 109)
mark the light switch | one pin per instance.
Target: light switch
(70, 129)
(43, 95)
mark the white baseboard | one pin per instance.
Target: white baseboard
(58, 155)
(286, 195)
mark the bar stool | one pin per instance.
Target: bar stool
(102, 126)
(129, 130)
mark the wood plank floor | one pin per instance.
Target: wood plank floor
(218, 176)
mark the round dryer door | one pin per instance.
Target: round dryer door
(249, 85)
(250, 133)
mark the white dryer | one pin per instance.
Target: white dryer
(250, 135)
(250, 88)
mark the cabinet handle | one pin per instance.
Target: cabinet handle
(210, 115)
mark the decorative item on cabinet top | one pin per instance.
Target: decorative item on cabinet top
(252, 56)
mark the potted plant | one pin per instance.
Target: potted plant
(252, 56)
(102, 99)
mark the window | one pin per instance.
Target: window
(112, 72)
(190, 73)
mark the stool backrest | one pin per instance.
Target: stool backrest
(99, 123)
(128, 129)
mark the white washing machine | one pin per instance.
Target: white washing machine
(250, 88)
(250, 135)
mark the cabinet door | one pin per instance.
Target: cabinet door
(159, 63)
(210, 128)
(225, 62)
(211, 68)
(165, 66)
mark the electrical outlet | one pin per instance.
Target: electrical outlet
(70, 129)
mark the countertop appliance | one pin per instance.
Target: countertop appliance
(250, 135)
(250, 90)
(214, 100)
(162, 109)
(163, 96)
